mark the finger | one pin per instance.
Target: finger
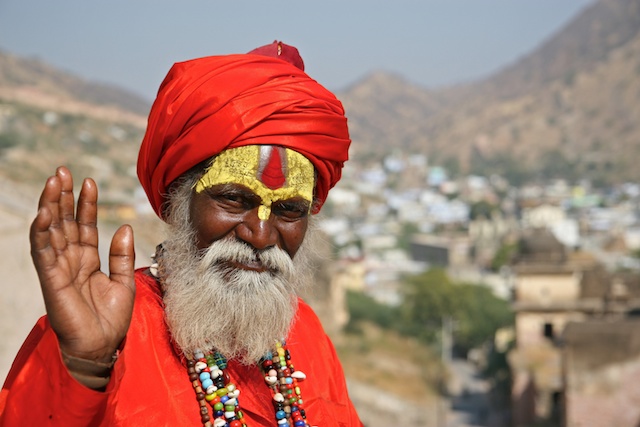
(87, 216)
(122, 257)
(66, 205)
(50, 194)
(49, 200)
(42, 253)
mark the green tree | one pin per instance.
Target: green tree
(431, 296)
(364, 308)
(428, 297)
(480, 314)
(8, 140)
(503, 256)
(482, 209)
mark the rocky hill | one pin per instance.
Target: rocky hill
(568, 109)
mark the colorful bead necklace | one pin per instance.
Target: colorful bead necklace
(212, 384)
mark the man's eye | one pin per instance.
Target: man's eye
(291, 210)
(233, 200)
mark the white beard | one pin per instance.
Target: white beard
(211, 304)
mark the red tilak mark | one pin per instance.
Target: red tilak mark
(272, 175)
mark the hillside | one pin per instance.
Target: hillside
(568, 109)
(43, 79)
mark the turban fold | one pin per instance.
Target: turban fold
(207, 105)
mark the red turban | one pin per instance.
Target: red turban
(207, 105)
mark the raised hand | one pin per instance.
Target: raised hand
(89, 311)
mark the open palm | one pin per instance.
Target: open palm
(89, 311)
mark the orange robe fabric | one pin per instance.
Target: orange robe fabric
(150, 386)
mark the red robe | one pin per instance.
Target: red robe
(150, 386)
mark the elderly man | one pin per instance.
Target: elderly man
(239, 151)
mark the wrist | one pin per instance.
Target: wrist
(91, 373)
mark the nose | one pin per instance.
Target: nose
(261, 234)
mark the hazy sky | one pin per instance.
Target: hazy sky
(133, 43)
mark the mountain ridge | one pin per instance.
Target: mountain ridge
(567, 109)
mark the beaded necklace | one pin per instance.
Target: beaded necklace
(212, 384)
(213, 387)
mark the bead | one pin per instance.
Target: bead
(208, 373)
(220, 360)
(198, 354)
(270, 380)
(299, 375)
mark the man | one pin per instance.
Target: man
(239, 151)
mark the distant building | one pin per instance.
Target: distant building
(440, 251)
(601, 373)
(555, 290)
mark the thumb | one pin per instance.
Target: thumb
(122, 257)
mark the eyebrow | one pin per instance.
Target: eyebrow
(296, 202)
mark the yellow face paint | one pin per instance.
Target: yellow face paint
(273, 173)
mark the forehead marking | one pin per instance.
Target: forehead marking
(289, 172)
(271, 169)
